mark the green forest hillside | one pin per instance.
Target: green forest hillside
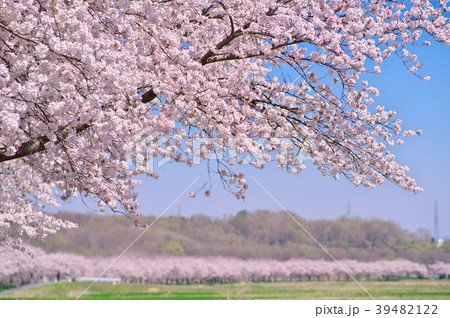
(260, 234)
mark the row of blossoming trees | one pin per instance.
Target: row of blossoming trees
(18, 269)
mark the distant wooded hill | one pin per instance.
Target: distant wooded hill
(260, 234)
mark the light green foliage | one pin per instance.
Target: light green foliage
(173, 248)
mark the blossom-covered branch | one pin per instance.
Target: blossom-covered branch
(272, 80)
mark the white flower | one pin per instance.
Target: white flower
(41, 50)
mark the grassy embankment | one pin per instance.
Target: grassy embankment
(403, 289)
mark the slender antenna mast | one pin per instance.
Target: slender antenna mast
(436, 221)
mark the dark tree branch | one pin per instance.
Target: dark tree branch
(38, 145)
(148, 96)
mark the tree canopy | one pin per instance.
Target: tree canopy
(83, 82)
(251, 235)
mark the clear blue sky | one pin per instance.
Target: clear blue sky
(421, 105)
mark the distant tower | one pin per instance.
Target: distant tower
(436, 221)
(349, 208)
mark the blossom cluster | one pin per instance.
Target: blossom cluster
(18, 267)
(79, 79)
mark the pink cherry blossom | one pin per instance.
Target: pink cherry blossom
(79, 80)
(18, 267)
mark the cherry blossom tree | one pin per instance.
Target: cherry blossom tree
(17, 269)
(441, 269)
(262, 81)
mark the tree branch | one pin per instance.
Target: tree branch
(38, 145)
(148, 96)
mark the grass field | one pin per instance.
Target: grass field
(403, 289)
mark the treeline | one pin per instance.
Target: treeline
(19, 269)
(260, 234)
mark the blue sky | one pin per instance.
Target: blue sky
(420, 105)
